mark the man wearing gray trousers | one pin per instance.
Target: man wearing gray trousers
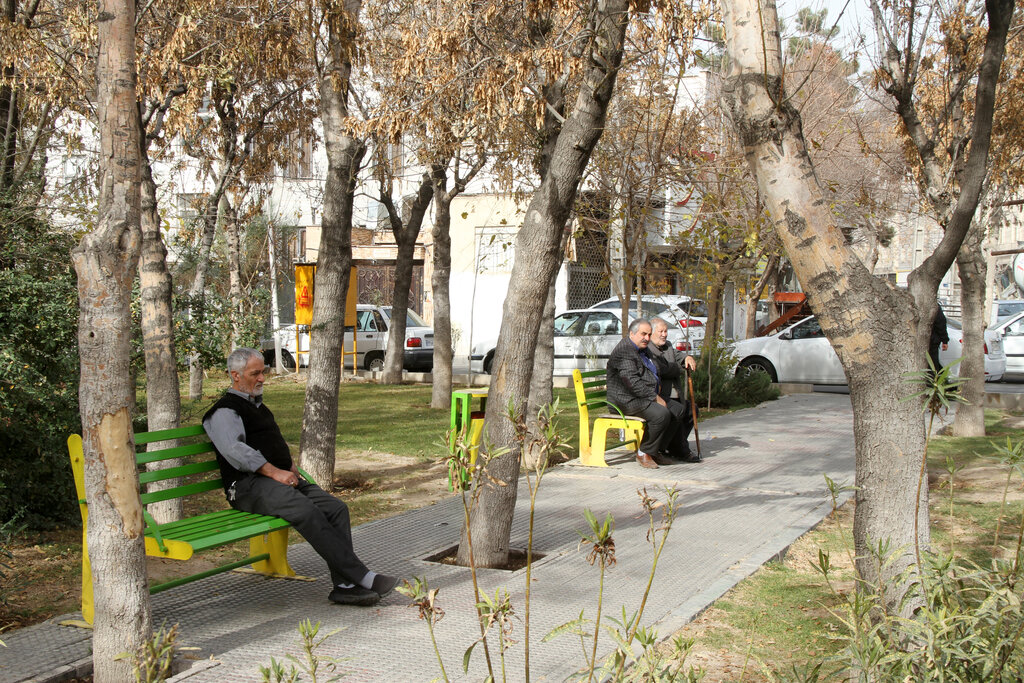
(259, 476)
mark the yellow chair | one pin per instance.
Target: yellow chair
(591, 393)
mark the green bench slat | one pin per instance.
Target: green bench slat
(219, 528)
(181, 491)
(168, 434)
(150, 476)
(176, 452)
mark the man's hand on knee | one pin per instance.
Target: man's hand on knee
(286, 477)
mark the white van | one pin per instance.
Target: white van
(372, 325)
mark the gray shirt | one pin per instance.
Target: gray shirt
(226, 431)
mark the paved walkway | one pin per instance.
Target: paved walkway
(759, 489)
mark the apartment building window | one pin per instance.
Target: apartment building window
(189, 206)
(297, 246)
(495, 249)
(298, 155)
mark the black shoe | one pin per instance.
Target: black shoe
(356, 595)
(690, 456)
(382, 584)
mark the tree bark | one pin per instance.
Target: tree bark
(163, 392)
(857, 311)
(440, 283)
(406, 231)
(440, 279)
(344, 153)
(211, 217)
(105, 262)
(538, 249)
(770, 272)
(973, 270)
(541, 385)
(234, 245)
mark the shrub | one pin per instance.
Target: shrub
(38, 372)
(726, 388)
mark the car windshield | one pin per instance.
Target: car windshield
(651, 308)
(1008, 308)
(411, 318)
(694, 307)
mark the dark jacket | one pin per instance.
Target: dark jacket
(670, 369)
(261, 433)
(940, 333)
(631, 385)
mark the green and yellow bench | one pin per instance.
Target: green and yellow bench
(267, 536)
(591, 392)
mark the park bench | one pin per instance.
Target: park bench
(267, 536)
(591, 393)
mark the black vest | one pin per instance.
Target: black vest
(261, 433)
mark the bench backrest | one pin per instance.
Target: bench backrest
(591, 392)
(199, 451)
(200, 446)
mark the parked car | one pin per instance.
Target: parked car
(1012, 330)
(372, 325)
(1006, 308)
(801, 352)
(690, 315)
(583, 340)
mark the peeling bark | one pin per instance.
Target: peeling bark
(105, 261)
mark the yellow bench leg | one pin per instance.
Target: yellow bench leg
(88, 611)
(276, 545)
(595, 458)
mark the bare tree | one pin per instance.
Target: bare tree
(105, 261)
(857, 310)
(344, 154)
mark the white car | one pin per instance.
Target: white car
(372, 324)
(1012, 330)
(802, 353)
(583, 340)
(691, 315)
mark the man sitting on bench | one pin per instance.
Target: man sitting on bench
(259, 476)
(633, 385)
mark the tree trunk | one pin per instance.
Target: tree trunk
(973, 270)
(198, 289)
(163, 393)
(440, 281)
(541, 385)
(231, 232)
(406, 230)
(857, 311)
(344, 152)
(538, 249)
(754, 296)
(105, 262)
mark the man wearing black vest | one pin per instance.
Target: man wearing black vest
(259, 476)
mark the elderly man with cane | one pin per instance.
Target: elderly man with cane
(672, 365)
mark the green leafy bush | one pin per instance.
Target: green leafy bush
(38, 371)
(717, 362)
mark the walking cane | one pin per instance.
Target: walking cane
(693, 410)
